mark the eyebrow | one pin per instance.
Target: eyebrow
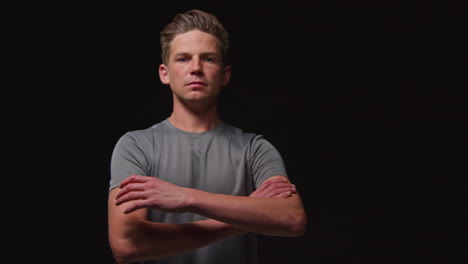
(203, 54)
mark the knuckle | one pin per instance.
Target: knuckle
(266, 183)
(154, 201)
(151, 182)
(276, 185)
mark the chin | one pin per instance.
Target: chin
(200, 100)
(196, 97)
(199, 96)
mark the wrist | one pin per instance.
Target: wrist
(227, 228)
(190, 198)
(235, 230)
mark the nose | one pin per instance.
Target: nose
(196, 67)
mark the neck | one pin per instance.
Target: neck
(194, 118)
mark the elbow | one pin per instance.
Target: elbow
(124, 247)
(123, 240)
(120, 258)
(122, 252)
(297, 223)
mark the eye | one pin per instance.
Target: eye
(181, 59)
(210, 59)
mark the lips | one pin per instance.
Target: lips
(196, 84)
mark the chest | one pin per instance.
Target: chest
(217, 166)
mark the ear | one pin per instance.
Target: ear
(227, 75)
(164, 74)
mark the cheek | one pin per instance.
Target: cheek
(216, 75)
(175, 75)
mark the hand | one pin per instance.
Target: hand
(151, 192)
(275, 188)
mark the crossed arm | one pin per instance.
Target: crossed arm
(133, 238)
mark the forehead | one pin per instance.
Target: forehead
(194, 42)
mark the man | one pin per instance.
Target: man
(192, 189)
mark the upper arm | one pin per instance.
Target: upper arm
(294, 200)
(265, 161)
(276, 177)
(120, 224)
(296, 208)
(129, 157)
(122, 227)
(116, 215)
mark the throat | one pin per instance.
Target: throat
(194, 117)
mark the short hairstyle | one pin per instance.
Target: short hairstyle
(193, 20)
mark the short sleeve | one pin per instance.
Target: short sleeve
(265, 161)
(128, 158)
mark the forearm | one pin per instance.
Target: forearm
(150, 240)
(133, 238)
(259, 213)
(278, 217)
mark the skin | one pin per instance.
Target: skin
(195, 57)
(133, 238)
(150, 192)
(196, 74)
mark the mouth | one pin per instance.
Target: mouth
(196, 84)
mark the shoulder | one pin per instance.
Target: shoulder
(249, 140)
(141, 137)
(237, 134)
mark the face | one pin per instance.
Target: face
(195, 70)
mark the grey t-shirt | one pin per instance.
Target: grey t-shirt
(223, 160)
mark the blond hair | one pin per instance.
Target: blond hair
(193, 20)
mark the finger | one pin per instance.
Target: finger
(274, 189)
(135, 206)
(275, 180)
(294, 189)
(267, 183)
(260, 192)
(134, 179)
(130, 188)
(256, 194)
(274, 186)
(283, 195)
(130, 197)
(264, 185)
(268, 188)
(277, 191)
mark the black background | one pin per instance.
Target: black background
(358, 98)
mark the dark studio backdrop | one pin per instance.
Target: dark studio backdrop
(348, 93)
